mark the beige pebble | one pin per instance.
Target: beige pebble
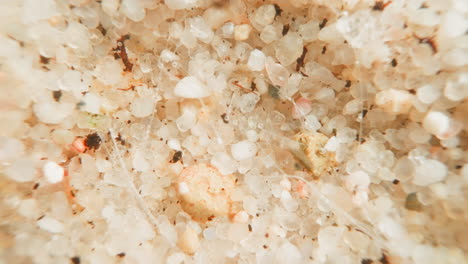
(204, 192)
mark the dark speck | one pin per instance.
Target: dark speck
(394, 63)
(278, 10)
(384, 259)
(121, 255)
(250, 228)
(93, 141)
(44, 60)
(379, 6)
(224, 117)
(458, 167)
(75, 260)
(348, 84)
(57, 95)
(396, 182)
(366, 261)
(36, 186)
(285, 29)
(324, 49)
(176, 157)
(364, 113)
(323, 23)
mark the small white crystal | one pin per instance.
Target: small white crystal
(252, 135)
(247, 102)
(453, 24)
(51, 225)
(332, 144)
(429, 171)
(133, 9)
(394, 101)
(92, 103)
(191, 87)
(277, 73)
(311, 123)
(309, 31)
(176, 258)
(288, 253)
(183, 188)
(188, 241)
(243, 150)
(10, 149)
(228, 30)
(264, 15)
(289, 48)
(242, 32)
(109, 71)
(256, 60)
(241, 217)
(224, 163)
(139, 161)
(187, 120)
(143, 106)
(180, 4)
(270, 33)
(168, 56)
(174, 144)
(53, 172)
(200, 29)
(51, 112)
(358, 180)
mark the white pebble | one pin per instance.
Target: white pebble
(429, 171)
(53, 172)
(243, 150)
(256, 60)
(51, 225)
(436, 123)
(191, 87)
